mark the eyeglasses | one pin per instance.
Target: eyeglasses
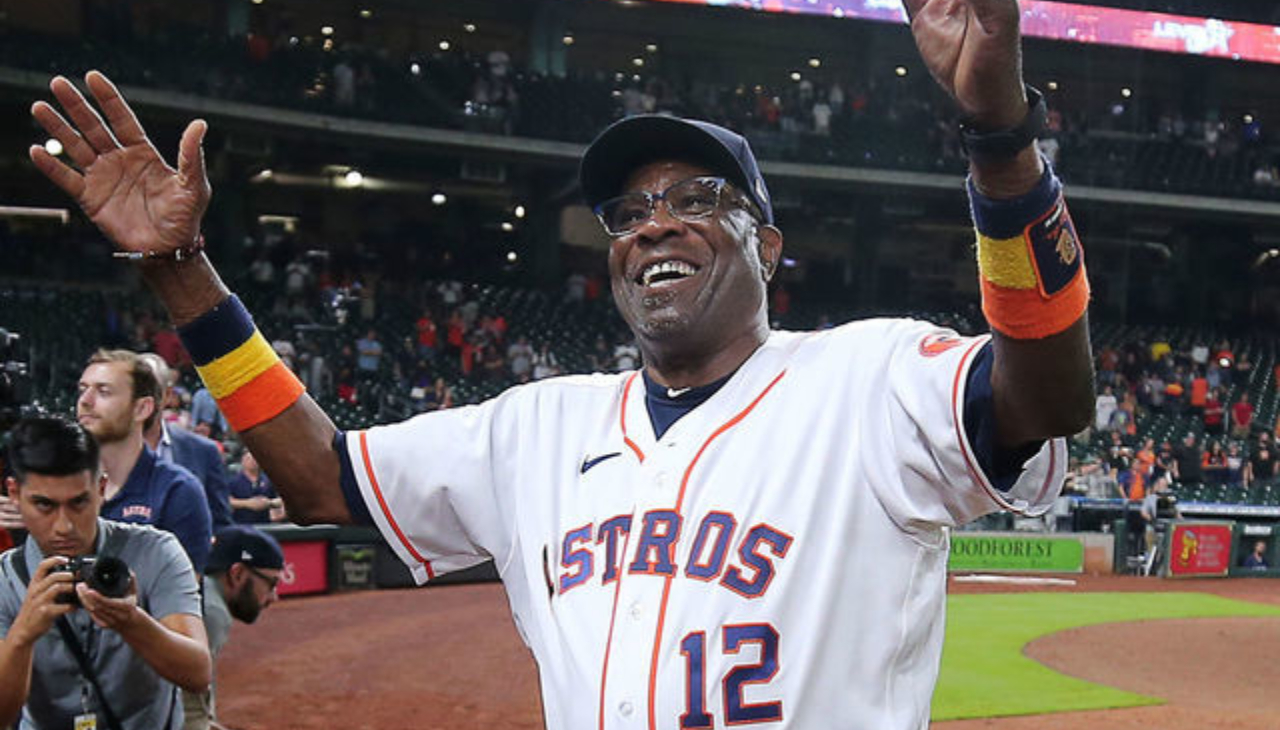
(688, 200)
(272, 583)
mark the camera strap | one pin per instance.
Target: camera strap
(69, 636)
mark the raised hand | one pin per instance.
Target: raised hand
(972, 48)
(119, 178)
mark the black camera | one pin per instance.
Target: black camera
(105, 574)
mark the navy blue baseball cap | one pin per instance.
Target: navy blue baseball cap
(628, 144)
(244, 544)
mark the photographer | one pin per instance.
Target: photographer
(70, 656)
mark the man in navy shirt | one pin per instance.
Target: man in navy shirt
(199, 455)
(116, 398)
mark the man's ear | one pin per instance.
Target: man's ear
(12, 488)
(143, 408)
(770, 239)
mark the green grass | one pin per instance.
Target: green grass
(985, 674)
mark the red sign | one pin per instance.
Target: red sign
(1200, 549)
(306, 568)
(1074, 23)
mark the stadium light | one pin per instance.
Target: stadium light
(651, 48)
(366, 13)
(326, 30)
(1126, 92)
(795, 76)
(519, 211)
(415, 69)
(256, 2)
(439, 199)
(53, 147)
(568, 39)
(512, 257)
(901, 71)
(638, 62)
(815, 62)
(1053, 85)
(444, 45)
(469, 27)
(353, 178)
(508, 226)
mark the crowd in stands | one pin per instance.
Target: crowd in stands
(1189, 412)
(864, 121)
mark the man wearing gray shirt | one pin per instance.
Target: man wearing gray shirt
(140, 647)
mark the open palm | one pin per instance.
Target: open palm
(972, 48)
(119, 179)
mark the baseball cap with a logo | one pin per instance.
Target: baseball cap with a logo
(244, 544)
(636, 141)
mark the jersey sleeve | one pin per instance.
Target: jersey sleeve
(940, 479)
(437, 485)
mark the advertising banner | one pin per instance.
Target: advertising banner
(1199, 549)
(306, 568)
(1074, 23)
(1016, 553)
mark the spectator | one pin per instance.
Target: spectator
(197, 454)
(1262, 464)
(427, 336)
(439, 397)
(368, 354)
(1214, 414)
(252, 494)
(626, 356)
(142, 646)
(244, 571)
(1187, 461)
(1237, 473)
(1241, 417)
(520, 359)
(545, 363)
(1214, 464)
(1257, 558)
(117, 397)
(206, 419)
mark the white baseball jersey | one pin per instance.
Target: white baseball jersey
(776, 559)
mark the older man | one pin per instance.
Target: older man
(753, 526)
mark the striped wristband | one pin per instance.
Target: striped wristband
(1030, 261)
(238, 366)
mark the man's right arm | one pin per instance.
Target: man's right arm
(296, 447)
(17, 648)
(153, 212)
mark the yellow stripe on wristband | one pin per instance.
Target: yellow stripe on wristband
(234, 370)
(1006, 262)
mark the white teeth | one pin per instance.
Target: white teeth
(679, 268)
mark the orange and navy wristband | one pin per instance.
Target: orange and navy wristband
(238, 366)
(1030, 261)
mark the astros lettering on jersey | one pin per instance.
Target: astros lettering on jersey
(776, 559)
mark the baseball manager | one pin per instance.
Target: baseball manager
(750, 530)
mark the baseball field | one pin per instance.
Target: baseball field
(1098, 652)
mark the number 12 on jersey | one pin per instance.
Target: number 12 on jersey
(736, 710)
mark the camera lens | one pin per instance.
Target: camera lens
(110, 577)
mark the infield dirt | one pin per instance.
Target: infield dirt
(450, 657)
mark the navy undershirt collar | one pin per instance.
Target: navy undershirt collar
(666, 406)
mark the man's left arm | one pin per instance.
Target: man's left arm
(1042, 370)
(174, 645)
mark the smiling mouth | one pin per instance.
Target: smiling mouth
(665, 271)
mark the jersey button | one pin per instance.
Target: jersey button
(636, 610)
(625, 709)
